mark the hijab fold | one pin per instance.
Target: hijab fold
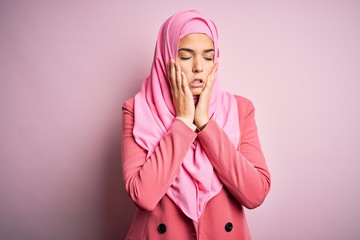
(196, 181)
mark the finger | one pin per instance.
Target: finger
(212, 76)
(169, 72)
(178, 77)
(172, 74)
(215, 68)
(185, 85)
(168, 69)
(209, 82)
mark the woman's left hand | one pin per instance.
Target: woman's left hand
(202, 107)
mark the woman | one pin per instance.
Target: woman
(191, 153)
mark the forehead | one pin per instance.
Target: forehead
(196, 41)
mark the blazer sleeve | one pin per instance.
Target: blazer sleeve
(242, 170)
(147, 181)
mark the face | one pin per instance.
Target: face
(196, 58)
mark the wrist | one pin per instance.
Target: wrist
(200, 124)
(187, 122)
(199, 129)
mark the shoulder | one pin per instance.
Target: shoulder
(242, 100)
(244, 104)
(128, 104)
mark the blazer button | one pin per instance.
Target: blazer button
(162, 228)
(228, 227)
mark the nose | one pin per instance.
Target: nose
(198, 66)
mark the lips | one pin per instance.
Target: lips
(197, 83)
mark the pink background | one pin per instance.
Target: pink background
(67, 66)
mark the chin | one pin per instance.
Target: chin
(196, 92)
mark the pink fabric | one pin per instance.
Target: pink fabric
(196, 182)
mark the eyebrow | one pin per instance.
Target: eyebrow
(191, 50)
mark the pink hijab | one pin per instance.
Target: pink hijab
(196, 182)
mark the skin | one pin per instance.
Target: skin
(193, 74)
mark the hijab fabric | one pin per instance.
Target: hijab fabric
(196, 181)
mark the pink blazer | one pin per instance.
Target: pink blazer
(242, 170)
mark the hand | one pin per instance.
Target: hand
(182, 97)
(202, 108)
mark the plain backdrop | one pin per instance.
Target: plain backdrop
(66, 68)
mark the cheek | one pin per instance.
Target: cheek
(186, 68)
(188, 75)
(209, 67)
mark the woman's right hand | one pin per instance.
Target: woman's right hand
(182, 97)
